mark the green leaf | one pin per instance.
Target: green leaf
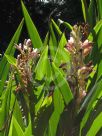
(48, 72)
(11, 60)
(5, 105)
(52, 42)
(46, 40)
(99, 5)
(97, 109)
(58, 109)
(62, 84)
(99, 55)
(53, 123)
(47, 101)
(40, 95)
(4, 65)
(18, 114)
(91, 80)
(96, 126)
(42, 120)
(40, 69)
(90, 99)
(34, 35)
(15, 129)
(58, 101)
(92, 13)
(53, 36)
(66, 24)
(85, 10)
(99, 70)
(62, 56)
(99, 40)
(28, 130)
(57, 29)
(11, 129)
(95, 31)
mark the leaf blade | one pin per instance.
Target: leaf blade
(63, 86)
(4, 65)
(34, 35)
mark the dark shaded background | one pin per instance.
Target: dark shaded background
(11, 15)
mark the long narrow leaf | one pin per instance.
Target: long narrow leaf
(85, 10)
(96, 126)
(4, 65)
(52, 42)
(90, 99)
(11, 59)
(5, 105)
(95, 30)
(42, 64)
(92, 13)
(62, 84)
(58, 109)
(99, 4)
(15, 129)
(57, 29)
(34, 35)
(66, 24)
(62, 56)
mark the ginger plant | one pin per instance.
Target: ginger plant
(77, 77)
(79, 50)
(26, 61)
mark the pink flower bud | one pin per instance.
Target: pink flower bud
(87, 50)
(85, 70)
(28, 42)
(71, 41)
(82, 70)
(86, 44)
(82, 94)
(70, 45)
(20, 45)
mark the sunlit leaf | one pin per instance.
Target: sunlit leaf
(34, 35)
(11, 60)
(90, 99)
(43, 118)
(58, 109)
(4, 65)
(52, 43)
(96, 29)
(66, 24)
(96, 126)
(62, 84)
(5, 106)
(85, 10)
(42, 64)
(15, 129)
(28, 131)
(57, 29)
(62, 56)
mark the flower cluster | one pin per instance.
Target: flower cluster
(25, 61)
(78, 50)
